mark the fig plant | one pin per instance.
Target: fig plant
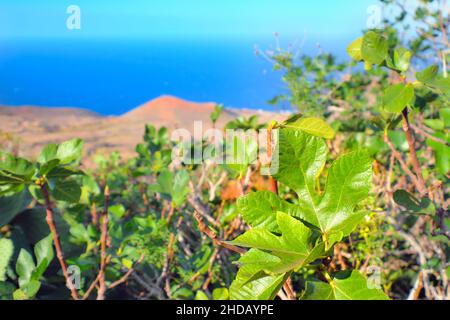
(287, 236)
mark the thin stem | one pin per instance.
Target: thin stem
(171, 211)
(104, 235)
(412, 153)
(399, 158)
(429, 136)
(287, 286)
(213, 236)
(59, 253)
(127, 274)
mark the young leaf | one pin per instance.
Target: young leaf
(218, 109)
(43, 250)
(398, 97)
(343, 287)
(24, 266)
(400, 60)
(354, 50)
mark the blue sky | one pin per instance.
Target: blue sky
(184, 18)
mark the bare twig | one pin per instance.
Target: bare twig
(403, 164)
(171, 211)
(213, 236)
(127, 274)
(202, 209)
(287, 287)
(418, 286)
(429, 136)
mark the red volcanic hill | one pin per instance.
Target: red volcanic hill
(170, 109)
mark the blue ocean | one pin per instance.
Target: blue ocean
(111, 76)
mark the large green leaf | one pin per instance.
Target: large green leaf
(6, 252)
(259, 209)
(253, 284)
(283, 253)
(14, 170)
(11, 206)
(66, 190)
(349, 182)
(343, 287)
(374, 48)
(301, 158)
(397, 97)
